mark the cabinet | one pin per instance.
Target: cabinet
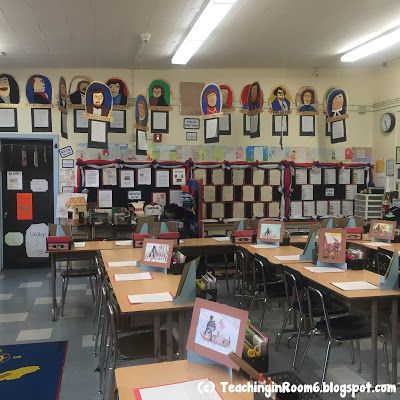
(368, 206)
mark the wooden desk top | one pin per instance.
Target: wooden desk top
(94, 245)
(325, 279)
(160, 283)
(203, 242)
(270, 254)
(140, 376)
(298, 239)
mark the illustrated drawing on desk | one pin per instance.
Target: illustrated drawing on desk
(332, 248)
(382, 231)
(156, 253)
(270, 232)
(215, 331)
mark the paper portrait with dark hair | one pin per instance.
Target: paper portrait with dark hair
(225, 122)
(280, 100)
(98, 102)
(255, 99)
(307, 108)
(244, 108)
(159, 95)
(9, 101)
(120, 97)
(335, 103)
(211, 106)
(39, 95)
(77, 91)
(62, 106)
(141, 113)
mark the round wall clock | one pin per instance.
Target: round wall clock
(388, 121)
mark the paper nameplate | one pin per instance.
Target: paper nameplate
(263, 246)
(222, 239)
(139, 276)
(356, 285)
(376, 244)
(149, 298)
(322, 270)
(288, 258)
(181, 390)
(123, 242)
(79, 244)
(122, 263)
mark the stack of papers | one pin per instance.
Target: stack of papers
(264, 246)
(79, 244)
(288, 258)
(222, 239)
(322, 270)
(149, 298)
(356, 285)
(182, 390)
(139, 276)
(123, 242)
(122, 264)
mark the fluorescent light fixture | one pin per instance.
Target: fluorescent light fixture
(211, 16)
(373, 46)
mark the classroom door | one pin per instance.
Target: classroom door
(27, 201)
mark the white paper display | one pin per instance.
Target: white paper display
(347, 207)
(144, 176)
(358, 176)
(134, 195)
(150, 297)
(127, 263)
(162, 179)
(178, 176)
(14, 238)
(127, 178)
(92, 178)
(330, 176)
(159, 120)
(273, 209)
(211, 128)
(14, 180)
(7, 118)
(322, 208)
(351, 191)
(104, 198)
(175, 197)
(118, 119)
(344, 176)
(296, 209)
(39, 185)
(301, 176)
(307, 125)
(275, 177)
(35, 241)
(356, 285)
(141, 140)
(315, 176)
(41, 117)
(334, 207)
(99, 131)
(224, 123)
(308, 208)
(109, 176)
(307, 192)
(139, 276)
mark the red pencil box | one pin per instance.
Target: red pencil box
(354, 233)
(169, 236)
(245, 236)
(58, 243)
(138, 239)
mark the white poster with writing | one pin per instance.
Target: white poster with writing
(35, 240)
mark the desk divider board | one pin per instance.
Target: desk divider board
(188, 291)
(309, 247)
(391, 279)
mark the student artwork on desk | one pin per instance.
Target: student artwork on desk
(270, 231)
(119, 93)
(157, 253)
(307, 108)
(141, 113)
(98, 101)
(280, 100)
(77, 91)
(39, 91)
(336, 111)
(9, 100)
(216, 330)
(382, 230)
(332, 246)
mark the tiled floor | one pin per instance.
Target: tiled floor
(25, 316)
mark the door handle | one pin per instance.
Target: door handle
(5, 215)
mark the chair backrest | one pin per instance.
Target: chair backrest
(294, 282)
(318, 295)
(59, 230)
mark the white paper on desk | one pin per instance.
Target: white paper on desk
(323, 269)
(263, 246)
(123, 242)
(139, 276)
(222, 239)
(122, 264)
(209, 220)
(182, 390)
(376, 244)
(288, 258)
(356, 285)
(79, 244)
(150, 297)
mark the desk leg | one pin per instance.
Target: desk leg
(170, 341)
(395, 306)
(181, 333)
(157, 336)
(374, 341)
(53, 266)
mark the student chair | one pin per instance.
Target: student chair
(300, 309)
(339, 330)
(243, 278)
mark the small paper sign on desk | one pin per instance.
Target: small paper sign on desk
(222, 239)
(79, 244)
(376, 244)
(288, 258)
(149, 298)
(123, 242)
(356, 285)
(122, 264)
(140, 276)
(322, 270)
(263, 246)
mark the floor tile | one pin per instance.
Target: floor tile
(48, 275)
(24, 285)
(44, 300)
(34, 334)
(80, 286)
(88, 292)
(13, 317)
(87, 341)
(1, 277)
(6, 296)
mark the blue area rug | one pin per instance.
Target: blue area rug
(32, 370)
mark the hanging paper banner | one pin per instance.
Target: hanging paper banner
(24, 206)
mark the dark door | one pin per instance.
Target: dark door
(27, 199)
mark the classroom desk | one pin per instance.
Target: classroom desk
(140, 376)
(90, 250)
(270, 254)
(369, 296)
(205, 247)
(161, 282)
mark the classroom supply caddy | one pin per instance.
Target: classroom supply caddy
(245, 236)
(138, 239)
(368, 206)
(58, 243)
(255, 349)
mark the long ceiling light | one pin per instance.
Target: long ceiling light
(372, 46)
(211, 16)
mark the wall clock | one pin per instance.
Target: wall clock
(388, 121)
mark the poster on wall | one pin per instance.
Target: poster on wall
(159, 94)
(120, 96)
(39, 95)
(9, 101)
(280, 100)
(141, 113)
(77, 91)
(225, 122)
(336, 111)
(211, 108)
(189, 94)
(307, 108)
(35, 241)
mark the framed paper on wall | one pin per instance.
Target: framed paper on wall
(398, 155)
(389, 167)
(81, 125)
(8, 120)
(98, 134)
(118, 123)
(159, 121)
(126, 178)
(41, 120)
(191, 136)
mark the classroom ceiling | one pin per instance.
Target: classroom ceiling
(256, 33)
